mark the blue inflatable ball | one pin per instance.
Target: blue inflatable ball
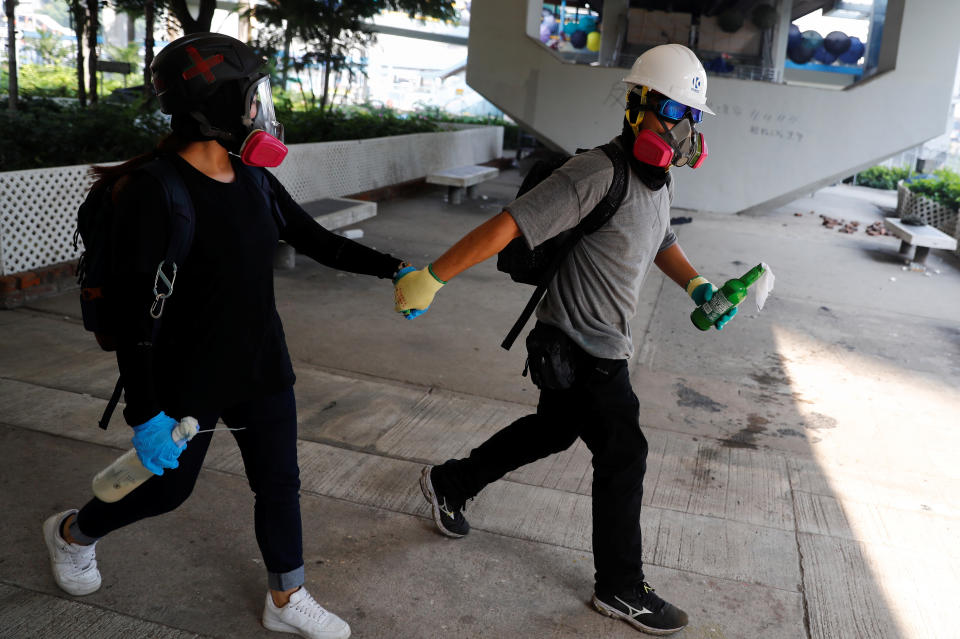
(836, 42)
(578, 39)
(569, 28)
(802, 52)
(823, 56)
(855, 52)
(794, 38)
(587, 24)
(544, 33)
(813, 38)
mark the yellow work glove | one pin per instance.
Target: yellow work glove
(414, 290)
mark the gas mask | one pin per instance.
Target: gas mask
(256, 135)
(263, 145)
(682, 145)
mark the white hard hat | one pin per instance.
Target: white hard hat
(674, 71)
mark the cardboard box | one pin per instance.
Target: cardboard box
(747, 40)
(657, 27)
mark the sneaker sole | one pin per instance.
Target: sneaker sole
(616, 614)
(280, 626)
(426, 487)
(49, 529)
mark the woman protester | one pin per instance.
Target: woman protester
(218, 350)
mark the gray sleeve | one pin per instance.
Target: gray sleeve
(669, 239)
(563, 199)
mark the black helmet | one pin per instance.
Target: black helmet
(213, 87)
(190, 70)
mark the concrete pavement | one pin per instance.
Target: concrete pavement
(801, 479)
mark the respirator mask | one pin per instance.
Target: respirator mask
(254, 133)
(263, 144)
(681, 145)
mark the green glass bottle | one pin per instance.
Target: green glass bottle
(730, 295)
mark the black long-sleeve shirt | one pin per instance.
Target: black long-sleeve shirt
(220, 337)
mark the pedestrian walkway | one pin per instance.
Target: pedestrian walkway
(801, 480)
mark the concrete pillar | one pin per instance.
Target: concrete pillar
(614, 31)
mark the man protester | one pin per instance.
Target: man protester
(585, 315)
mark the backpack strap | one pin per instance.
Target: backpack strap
(599, 216)
(181, 224)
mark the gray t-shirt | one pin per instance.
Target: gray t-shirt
(595, 293)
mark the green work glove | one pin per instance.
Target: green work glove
(701, 291)
(415, 290)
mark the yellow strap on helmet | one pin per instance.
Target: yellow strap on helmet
(635, 124)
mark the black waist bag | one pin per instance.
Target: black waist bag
(551, 358)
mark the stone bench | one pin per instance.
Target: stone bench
(921, 236)
(460, 178)
(330, 213)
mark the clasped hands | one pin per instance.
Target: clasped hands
(414, 290)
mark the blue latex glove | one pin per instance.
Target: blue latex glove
(703, 294)
(413, 313)
(154, 443)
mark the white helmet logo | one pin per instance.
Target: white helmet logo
(695, 84)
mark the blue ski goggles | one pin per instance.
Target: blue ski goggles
(675, 111)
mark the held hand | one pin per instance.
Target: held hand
(702, 292)
(413, 291)
(154, 443)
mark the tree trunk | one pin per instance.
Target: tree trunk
(93, 28)
(79, 15)
(13, 88)
(131, 27)
(287, 39)
(190, 25)
(328, 54)
(149, 9)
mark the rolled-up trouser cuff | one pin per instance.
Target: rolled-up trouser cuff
(285, 580)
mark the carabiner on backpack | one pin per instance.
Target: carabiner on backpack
(156, 309)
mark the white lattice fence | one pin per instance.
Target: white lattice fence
(912, 205)
(38, 207)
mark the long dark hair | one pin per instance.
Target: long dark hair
(105, 175)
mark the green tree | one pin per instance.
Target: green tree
(50, 48)
(332, 30)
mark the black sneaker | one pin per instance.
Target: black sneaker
(447, 515)
(643, 609)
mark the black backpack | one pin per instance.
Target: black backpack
(96, 270)
(537, 267)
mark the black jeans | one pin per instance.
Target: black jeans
(602, 409)
(268, 445)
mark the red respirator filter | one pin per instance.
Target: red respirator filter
(262, 149)
(650, 148)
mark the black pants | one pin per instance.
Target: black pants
(268, 445)
(602, 409)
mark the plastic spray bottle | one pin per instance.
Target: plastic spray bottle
(728, 296)
(127, 472)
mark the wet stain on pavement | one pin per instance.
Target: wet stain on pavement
(747, 437)
(689, 398)
(791, 432)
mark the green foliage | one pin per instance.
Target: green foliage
(357, 123)
(48, 133)
(109, 132)
(60, 81)
(50, 48)
(943, 188)
(881, 177)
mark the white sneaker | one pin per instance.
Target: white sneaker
(305, 617)
(74, 566)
